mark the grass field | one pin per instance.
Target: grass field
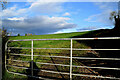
(49, 36)
(61, 44)
(45, 44)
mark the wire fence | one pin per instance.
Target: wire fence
(70, 57)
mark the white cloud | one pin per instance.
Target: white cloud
(57, 19)
(35, 7)
(8, 12)
(15, 18)
(87, 28)
(102, 17)
(66, 14)
(12, 11)
(90, 28)
(90, 18)
(46, 7)
(38, 24)
(19, 18)
(107, 5)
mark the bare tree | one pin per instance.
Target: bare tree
(115, 16)
(3, 3)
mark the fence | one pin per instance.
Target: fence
(71, 57)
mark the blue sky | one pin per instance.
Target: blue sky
(56, 17)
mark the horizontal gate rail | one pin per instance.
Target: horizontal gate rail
(18, 60)
(83, 75)
(71, 57)
(72, 74)
(29, 75)
(67, 39)
(18, 66)
(97, 58)
(20, 54)
(59, 48)
(74, 65)
(68, 57)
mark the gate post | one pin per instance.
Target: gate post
(71, 61)
(32, 58)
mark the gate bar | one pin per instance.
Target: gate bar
(68, 39)
(74, 74)
(68, 57)
(60, 48)
(32, 55)
(32, 58)
(71, 61)
(72, 65)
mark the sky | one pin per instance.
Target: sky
(56, 17)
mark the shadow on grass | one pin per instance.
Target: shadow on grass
(104, 44)
(35, 72)
(38, 73)
(56, 67)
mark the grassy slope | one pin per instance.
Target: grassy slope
(49, 36)
(45, 44)
(66, 44)
(105, 44)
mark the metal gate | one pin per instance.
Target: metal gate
(71, 57)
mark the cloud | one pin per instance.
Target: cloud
(18, 20)
(107, 5)
(35, 7)
(103, 17)
(87, 29)
(91, 28)
(46, 7)
(90, 18)
(38, 24)
(66, 14)
(13, 11)
(15, 18)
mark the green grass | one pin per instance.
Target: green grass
(49, 36)
(52, 44)
(46, 44)
(9, 76)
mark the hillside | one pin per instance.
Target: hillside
(104, 44)
(49, 36)
(64, 44)
(100, 33)
(47, 52)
